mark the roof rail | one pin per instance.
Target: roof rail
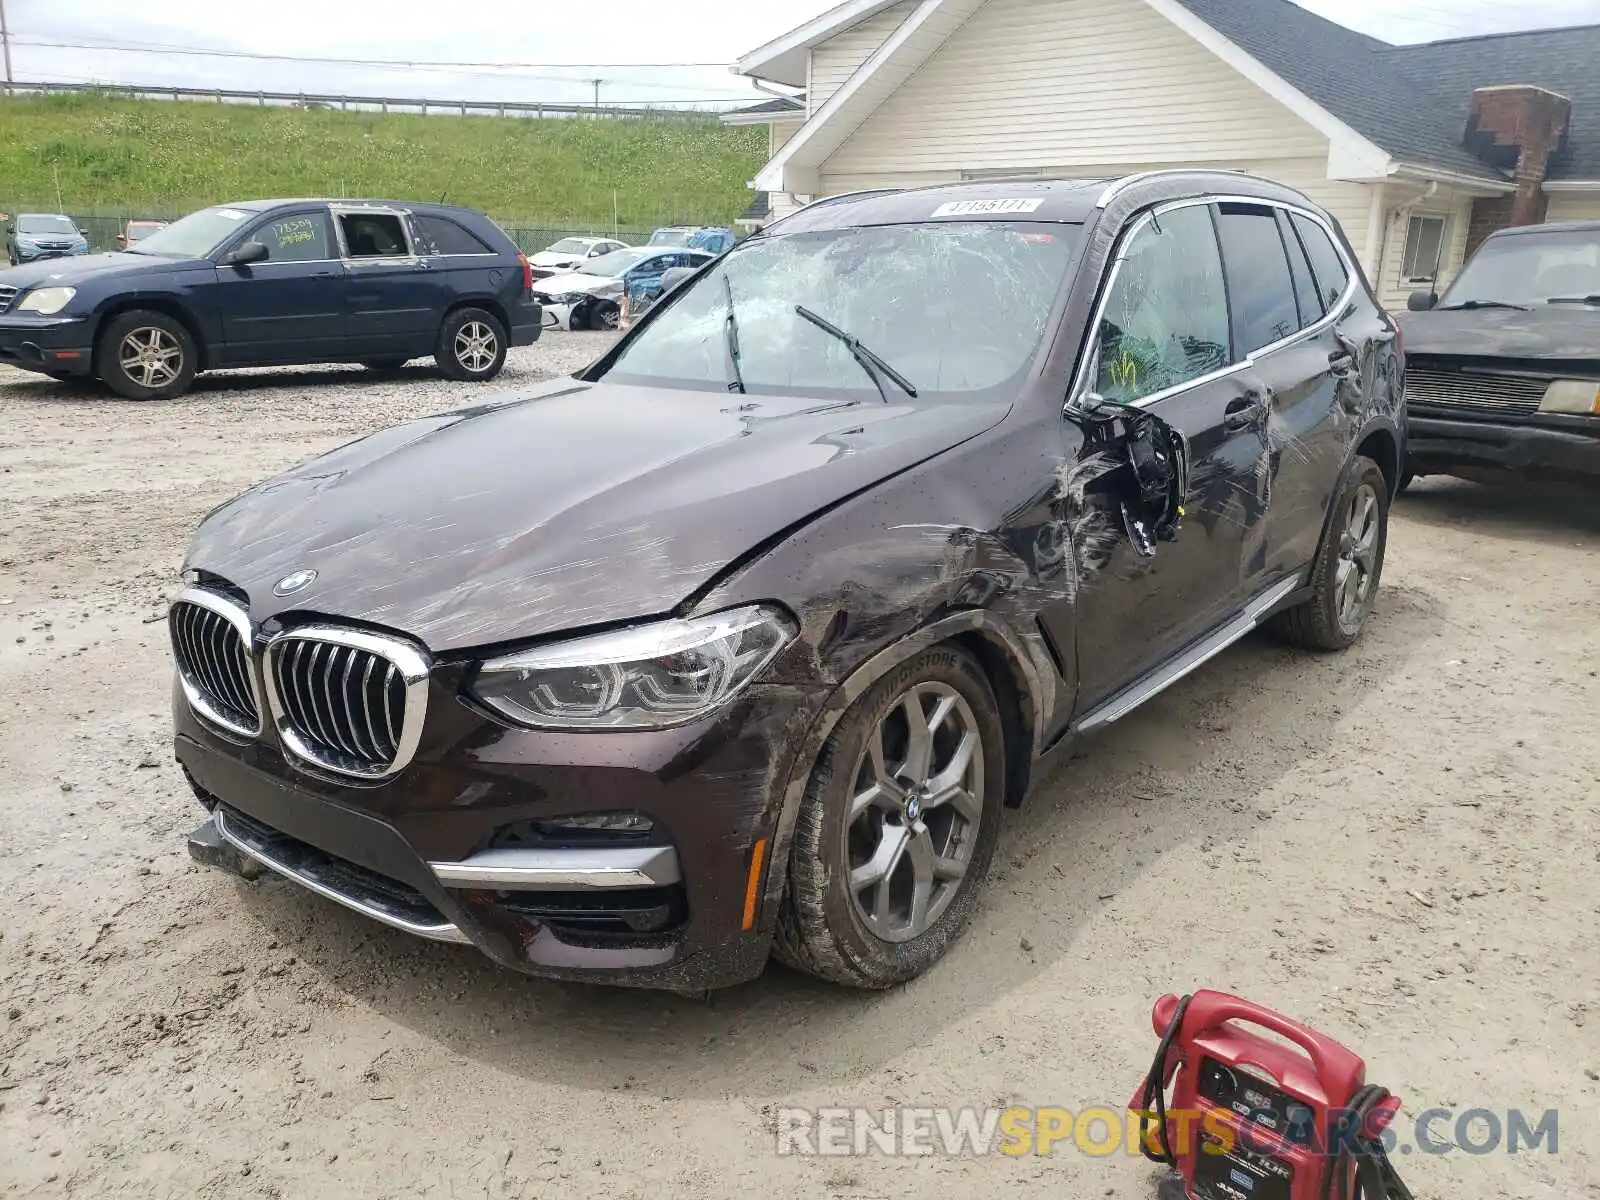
(842, 196)
(1117, 185)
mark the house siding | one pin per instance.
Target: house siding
(1574, 206)
(1392, 287)
(1058, 85)
(835, 60)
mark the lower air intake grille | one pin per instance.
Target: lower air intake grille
(348, 701)
(1473, 392)
(8, 296)
(210, 641)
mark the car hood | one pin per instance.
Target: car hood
(1555, 331)
(560, 285)
(549, 258)
(86, 267)
(571, 505)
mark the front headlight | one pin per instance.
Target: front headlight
(564, 298)
(1571, 396)
(653, 677)
(46, 301)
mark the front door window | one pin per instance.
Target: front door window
(1166, 318)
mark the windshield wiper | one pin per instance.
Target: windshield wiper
(1591, 299)
(871, 363)
(1485, 304)
(730, 327)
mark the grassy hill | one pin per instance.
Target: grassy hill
(120, 158)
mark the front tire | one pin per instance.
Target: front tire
(898, 826)
(1344, 578)
(146, 355)
(605, 316)
(472, 345)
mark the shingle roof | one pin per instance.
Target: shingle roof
(1352, 76)
(780, 105)
(1565, 61)
(760, 208)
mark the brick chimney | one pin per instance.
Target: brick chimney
(1517, 128)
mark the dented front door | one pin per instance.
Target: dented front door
(1145, 591)
(1161, 364)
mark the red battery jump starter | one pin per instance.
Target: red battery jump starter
(1251, 1118)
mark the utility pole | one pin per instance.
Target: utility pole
(5, 41)
(596, 82)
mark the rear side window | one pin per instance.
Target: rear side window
(373, 235)
(1166, 316)
(1260, 288)
(441, 235)
(1326, 262)
(299, 237)
(1305, 287)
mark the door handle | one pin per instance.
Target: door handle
(323, 274)
(1244, 412)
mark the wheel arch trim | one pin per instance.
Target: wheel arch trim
(1036, 697)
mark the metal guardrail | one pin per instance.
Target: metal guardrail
(314, 100)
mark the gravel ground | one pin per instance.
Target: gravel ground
(1397, 844)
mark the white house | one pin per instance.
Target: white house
(1419, 151)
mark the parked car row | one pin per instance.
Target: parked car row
(271, 282)
(583, 282)
(33, 236)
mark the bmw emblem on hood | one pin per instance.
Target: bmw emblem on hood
(296, 582)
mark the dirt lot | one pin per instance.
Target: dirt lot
(1397, 844)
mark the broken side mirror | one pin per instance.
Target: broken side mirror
(1422, 301)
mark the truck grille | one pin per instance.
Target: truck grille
(347, 701)
(8, 297)
(210, 641)
(1475, 392)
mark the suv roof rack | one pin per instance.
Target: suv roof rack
(1117, 185)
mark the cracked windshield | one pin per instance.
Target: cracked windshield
(946, 308)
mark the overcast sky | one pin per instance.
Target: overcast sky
(597, 40)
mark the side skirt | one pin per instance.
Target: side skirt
(1192, 656)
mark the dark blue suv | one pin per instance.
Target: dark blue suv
(276, 282)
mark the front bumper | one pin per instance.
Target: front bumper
(666, 910)
(58, 345)
(1548, 446)
(558, 316)
(33, 255)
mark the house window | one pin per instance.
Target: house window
(1424, 248)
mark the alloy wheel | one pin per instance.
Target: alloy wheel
(915, 807)
(1358, 558)
(476, 346)
(150, 356)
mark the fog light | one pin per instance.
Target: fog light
(613, 822)
(1571, 396)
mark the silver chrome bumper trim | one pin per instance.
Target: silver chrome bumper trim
(563, 869)
(444, 932)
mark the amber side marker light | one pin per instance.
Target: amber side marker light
(752, 887)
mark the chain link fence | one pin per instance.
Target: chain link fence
(102, 225)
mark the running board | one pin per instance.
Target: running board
(1125, 701)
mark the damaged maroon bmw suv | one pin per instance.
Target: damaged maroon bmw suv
(742, 638)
